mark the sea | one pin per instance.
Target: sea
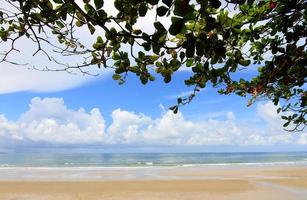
(95, 159)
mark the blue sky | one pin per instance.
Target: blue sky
(134, 115)
(106, 94)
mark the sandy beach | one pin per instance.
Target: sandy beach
(221, 183)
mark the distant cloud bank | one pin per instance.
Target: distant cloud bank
(49, 120)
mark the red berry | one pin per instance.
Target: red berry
(272, 5)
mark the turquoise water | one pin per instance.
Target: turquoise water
(62, 159)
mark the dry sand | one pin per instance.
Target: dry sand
(241, 183)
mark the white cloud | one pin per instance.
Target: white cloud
(8, 129)
(181, 94)
(169, 129)
(49, 120)
(302, 139)
(274, 132)
(126, 127)
(16, 79)
(267, 112)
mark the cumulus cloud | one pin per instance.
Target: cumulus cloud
(267, 112)
(127, 127)
(49, 120)
(8, 129)
(273, 133)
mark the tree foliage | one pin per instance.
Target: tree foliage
(214, 39)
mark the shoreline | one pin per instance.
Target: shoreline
(151, 165)
(176, 183)
(200, 172)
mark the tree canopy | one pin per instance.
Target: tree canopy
(214, 39)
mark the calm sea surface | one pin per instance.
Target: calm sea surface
(62, 159)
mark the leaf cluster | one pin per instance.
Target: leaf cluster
(203, 36)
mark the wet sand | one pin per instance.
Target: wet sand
(232, 183)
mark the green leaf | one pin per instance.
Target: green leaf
(215, 3)
(179, 100)
(102, 14)
(190, 52)
(98, 4)
(181, 55)
(143, 79)
(190, 62)
(79, 23)
(177, 25)
(167, 78)
(91, 28)
(210, 24)
(49, 4)
(284, 117)
(156, 48)
(190, 46)
(183, 9)
(141, 55)
(146, 46)
(88, 8)
(116, 77)
(80, 15)
(153, 2)
(116, 56)
(244, 62)
(99, 39)
(118, 5)
(160, 28)
(154, 57)
(175, 110)
(97, 46)
(143, 9)
(137, 31)
(134, 69)
(162, 10)
(58, 1)
(286, 124)
(168, 2)
(60, 24)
